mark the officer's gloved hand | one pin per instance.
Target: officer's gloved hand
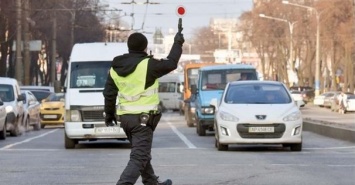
(110, 120)
(179, 38)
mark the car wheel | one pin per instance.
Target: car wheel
(27, 124)
(221, 147)
(3, 132)
(16, 130)
(200, 130)
(69, 143)
(296, 147)
(37, 126)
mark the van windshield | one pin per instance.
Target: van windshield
(89, 74)
(218, 79)
(6, 93)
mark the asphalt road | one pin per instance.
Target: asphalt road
(39, 157)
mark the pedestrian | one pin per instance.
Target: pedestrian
(342, 99)
(135, 76)
(243, 76)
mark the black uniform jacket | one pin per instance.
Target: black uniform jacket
(127, 63)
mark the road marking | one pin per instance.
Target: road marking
(332, 148)
(181, 136)
(27, 140)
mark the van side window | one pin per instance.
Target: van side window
(167, 87)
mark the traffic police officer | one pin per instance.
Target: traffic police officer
(135, 76)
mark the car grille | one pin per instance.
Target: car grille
(243, 130)
(92, 115)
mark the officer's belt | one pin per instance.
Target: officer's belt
(138, 107)
(149, 92)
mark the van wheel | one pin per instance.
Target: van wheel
(3, 132)
(200, 130)
(69, 143)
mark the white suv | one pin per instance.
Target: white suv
(10, 94)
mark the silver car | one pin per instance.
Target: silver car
(31, 111)
(2, 120)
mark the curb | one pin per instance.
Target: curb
(325, 129)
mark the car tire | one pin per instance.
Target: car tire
(220, 147)
(16, 130)
(296, 147)
(27, 125)
(3, 132)
(200, 130)
(69, 143)
(37, 126)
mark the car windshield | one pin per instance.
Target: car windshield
(89, 74)
(218, 79)
(257, 94)
(55, 97)
(6, 93)
(40, 95)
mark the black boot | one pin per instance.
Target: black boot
(166, 182)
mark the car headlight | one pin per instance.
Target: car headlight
(9, 109)
(293, 116)
(73, 115)
(227, 117)
(207, 110)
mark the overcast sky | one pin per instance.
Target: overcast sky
(164, 16)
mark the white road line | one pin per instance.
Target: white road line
(181, 136)
(27, 140)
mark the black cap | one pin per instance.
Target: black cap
(137, 42)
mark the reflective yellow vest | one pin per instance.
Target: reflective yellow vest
(132, 97)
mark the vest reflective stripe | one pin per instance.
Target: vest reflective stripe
(138, 108)
(132, 97)
(136, 97)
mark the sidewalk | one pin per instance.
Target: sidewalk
(331, 124)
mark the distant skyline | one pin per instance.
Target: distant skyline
(163, 15)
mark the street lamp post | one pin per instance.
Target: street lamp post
(317, 75)
(291, 35)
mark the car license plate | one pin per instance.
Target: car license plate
(261, 129)
(50, 116)
(107, 130)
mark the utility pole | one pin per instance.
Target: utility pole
(18, 72)
(54, 49)
(26, 39)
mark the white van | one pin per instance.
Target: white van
(171, 91)
(84, 102)
(10, 94)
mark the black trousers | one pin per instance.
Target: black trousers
(141, 138)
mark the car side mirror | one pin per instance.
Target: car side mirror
(44, 100)
(20, 98)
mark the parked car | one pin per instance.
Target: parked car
(306, 91)
(329, 98)
(13, 100)
(298, 98)
(257, 112)
(351, 103)
(319, 100)
(31, 111)
(2, 120)
(333, 101)
(52, 110)
(40, 95)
